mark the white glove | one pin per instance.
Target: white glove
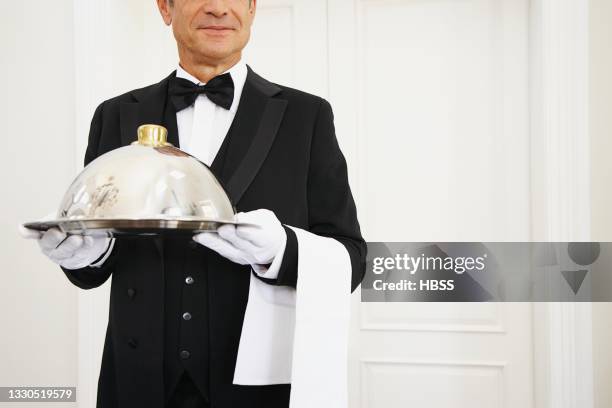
(72, 252)
(258, 244)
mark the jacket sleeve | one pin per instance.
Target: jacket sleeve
(331, 208)
(91, 277)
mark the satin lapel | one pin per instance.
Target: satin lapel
(266, 128)
(149, 107)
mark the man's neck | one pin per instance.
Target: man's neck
(204, 71)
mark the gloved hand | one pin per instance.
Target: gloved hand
(71, 252)
(260, 244)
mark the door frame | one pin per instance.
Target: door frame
(560, 163)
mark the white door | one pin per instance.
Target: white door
(431, 110)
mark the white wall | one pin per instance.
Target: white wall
(601, 181)
(37, 304)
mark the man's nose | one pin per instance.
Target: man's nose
(217, 8)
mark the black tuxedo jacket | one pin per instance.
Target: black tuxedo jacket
(280, 153)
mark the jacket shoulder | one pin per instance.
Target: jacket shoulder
(306, 103)
(136, 94)
(299, 95)
(129, 96)
(277, 90)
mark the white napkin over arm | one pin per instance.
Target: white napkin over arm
(300, 336)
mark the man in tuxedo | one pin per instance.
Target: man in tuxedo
(177, 303)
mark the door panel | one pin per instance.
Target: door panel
(431, 102)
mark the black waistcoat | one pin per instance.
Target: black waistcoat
(186, 319)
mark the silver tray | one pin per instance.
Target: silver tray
(129, 227)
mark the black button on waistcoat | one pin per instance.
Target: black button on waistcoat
(185, 313)
(132, 342)
(131, 292)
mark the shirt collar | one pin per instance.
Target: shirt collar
(238, 72)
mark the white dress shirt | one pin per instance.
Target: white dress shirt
(202, 127)
(211, 120)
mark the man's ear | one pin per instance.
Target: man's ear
(252, 8)
(165, 9)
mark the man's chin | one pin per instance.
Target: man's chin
(215, 53)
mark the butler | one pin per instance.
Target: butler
(177, 304)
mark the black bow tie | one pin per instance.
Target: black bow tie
(219, 90)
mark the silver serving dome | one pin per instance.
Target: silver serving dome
(148, 187)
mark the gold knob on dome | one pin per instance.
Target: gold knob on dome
(152, 135)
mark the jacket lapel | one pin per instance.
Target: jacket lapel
(255, 125)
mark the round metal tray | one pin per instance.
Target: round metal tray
(129, 227)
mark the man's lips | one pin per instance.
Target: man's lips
(216, 28)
